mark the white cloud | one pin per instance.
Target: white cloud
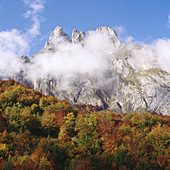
(162, 47)
(129, 39)
(35, 29)
(119, 29)
(27, 14)
(34, 8)
(12, 45)
(121, 32)
(15, 43)
(141, 58)
(155, 54)
(169, 21)
(71, 58)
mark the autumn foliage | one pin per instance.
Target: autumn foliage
(43, 132)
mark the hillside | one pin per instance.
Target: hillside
(43, 132)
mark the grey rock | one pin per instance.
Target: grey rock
(112, 34)
(145, 91)
(57, 35)
(25, 59)
(78, 36)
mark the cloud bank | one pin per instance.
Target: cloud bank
(72, 58)
(15, 43)
(162, 48)
(169, 21)
(119, 29)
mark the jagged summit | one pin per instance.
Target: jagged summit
(114, 38)
(57, 34)
(78, 36)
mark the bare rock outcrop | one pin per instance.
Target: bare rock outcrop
(78, 36)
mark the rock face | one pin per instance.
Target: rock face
(113, 36)
(123, 86)
(78, 36)
(144, 91)
(58, 34)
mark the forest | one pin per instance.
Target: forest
(43, 132)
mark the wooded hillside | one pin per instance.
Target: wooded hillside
(42, 132)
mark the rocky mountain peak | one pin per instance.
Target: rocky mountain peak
(112, 34)
(109, 30)
(78, 36)
(57, 35)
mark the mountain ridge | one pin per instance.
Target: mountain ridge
(122, 80)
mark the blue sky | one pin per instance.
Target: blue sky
(144, 20)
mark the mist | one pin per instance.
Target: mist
(162, 48)
(16, 43)
(71, 58)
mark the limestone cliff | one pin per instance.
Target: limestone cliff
(123, 86)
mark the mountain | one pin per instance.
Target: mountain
(105, 72)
